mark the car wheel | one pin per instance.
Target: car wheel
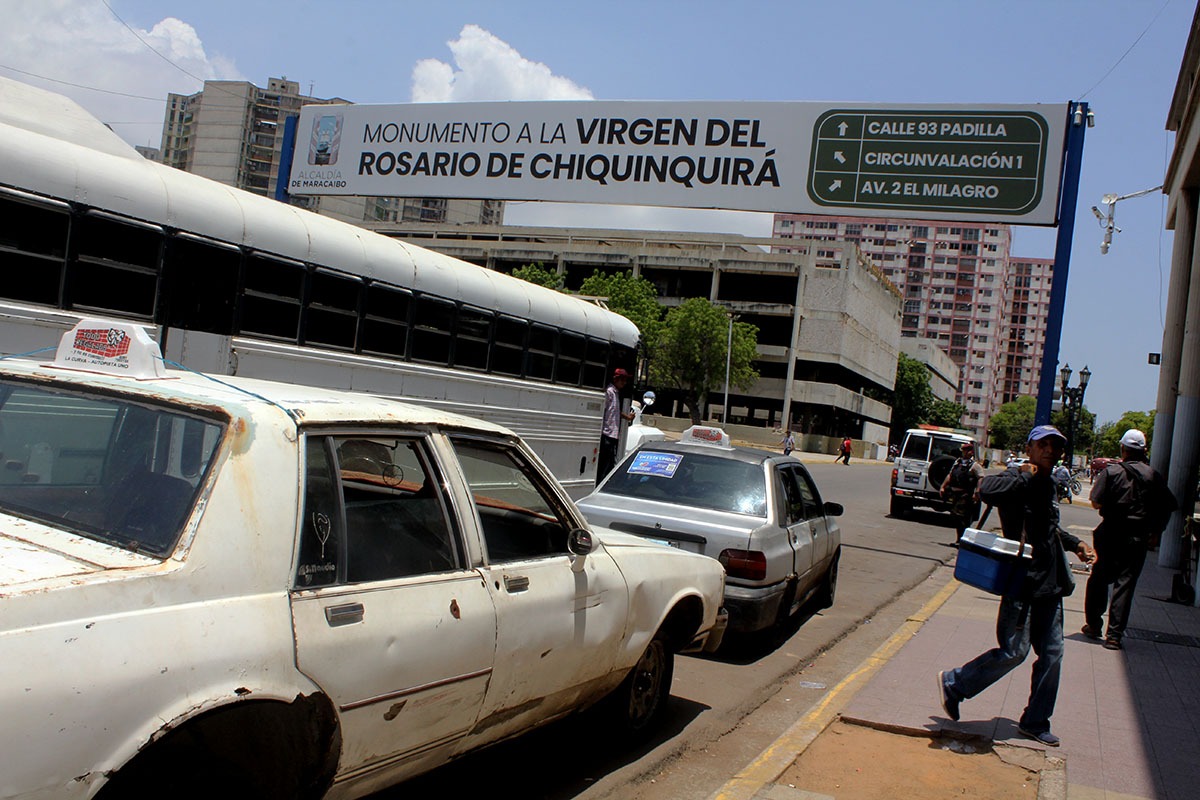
(828, 590)
(899, 508)
(641, 699)
(938, 471)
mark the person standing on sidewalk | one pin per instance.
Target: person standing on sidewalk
(1031, 616)
(1134, 504)
(961, 489)
(845, 456)
(610, 433)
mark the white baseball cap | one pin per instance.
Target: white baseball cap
(1134, 439)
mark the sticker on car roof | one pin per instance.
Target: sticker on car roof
(650, 463)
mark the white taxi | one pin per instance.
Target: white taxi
(234, 588)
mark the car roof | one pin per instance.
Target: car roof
(306, 405)
(747, 455)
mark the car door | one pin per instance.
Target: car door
(796, 520)
(814, 513)
(558, 630)
(390, 619)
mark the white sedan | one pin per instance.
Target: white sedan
(217, 588)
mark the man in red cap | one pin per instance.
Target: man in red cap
(610, 434)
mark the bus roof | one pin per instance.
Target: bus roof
(53, 148)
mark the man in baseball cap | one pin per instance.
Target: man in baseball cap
(1031, 615)
(1134, 504)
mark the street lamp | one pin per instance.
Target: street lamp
(728, 363)
(1073, 402)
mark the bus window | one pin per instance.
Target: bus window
(595, 368)
(33, 242)
(433, 327)
(270, 303)
(332, 318)
(201, 285)
(571, 350)
(540, 365)
(474, 337)
(508, 351)
(385, 323)
(115, 266)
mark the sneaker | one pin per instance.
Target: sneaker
(1090, 632)
(949, 704)
(1045, 737)
(1112, 644)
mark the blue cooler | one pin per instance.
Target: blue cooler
(990, 562)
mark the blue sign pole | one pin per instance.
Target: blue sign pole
(286, 153)
(1077, 119)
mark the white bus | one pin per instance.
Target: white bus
(229, 282)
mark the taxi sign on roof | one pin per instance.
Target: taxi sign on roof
(705, 434)
(116, 348)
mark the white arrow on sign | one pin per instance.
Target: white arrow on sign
(838, 157)
(842, 129)
(833, 187)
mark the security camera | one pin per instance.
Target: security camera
(1078, 115)
(1096, 211)
(1104, 248)
(1091, 117)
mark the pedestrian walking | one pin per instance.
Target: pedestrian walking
(1032, 614)
(1134, 504)
(610, 433)
(961, 489)
(789, 443)
(845, 456)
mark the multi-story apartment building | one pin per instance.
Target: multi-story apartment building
(961, 288)
(232, 132)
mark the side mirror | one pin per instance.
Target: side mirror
(580, 543)
(833, 509)
(648, 400)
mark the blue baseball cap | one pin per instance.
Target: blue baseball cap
(1042, 431)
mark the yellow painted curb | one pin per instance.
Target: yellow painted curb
(771, 763)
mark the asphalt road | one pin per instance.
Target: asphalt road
(719, 718)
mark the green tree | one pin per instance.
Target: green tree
(912, 398)
(1085, 427)
(1012, 422)
(633, 298)
(1108, 440)
(537, 273)
(691, 350)
(947, 413)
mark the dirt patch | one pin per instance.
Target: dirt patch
(853, 762)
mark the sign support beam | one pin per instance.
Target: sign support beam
(1077, 124)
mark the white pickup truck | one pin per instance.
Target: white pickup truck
(234, 588)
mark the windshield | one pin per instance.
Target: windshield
(106, 468)
(692, 479)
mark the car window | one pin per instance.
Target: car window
(106, 468)
(812, 498)
(693, 479)
(392, 518)
(793, 498)
(520, 516)
(916, 448)
(945, 447)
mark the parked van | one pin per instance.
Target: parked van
(924, 462)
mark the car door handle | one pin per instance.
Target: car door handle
(516, 583)
(344, 615)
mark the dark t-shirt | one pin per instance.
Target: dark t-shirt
(1132, 498)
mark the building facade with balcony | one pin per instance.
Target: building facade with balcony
(232, 132)
(962, 288)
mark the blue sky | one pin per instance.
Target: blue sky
(1121, 56)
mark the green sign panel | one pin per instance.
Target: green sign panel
(965, 161)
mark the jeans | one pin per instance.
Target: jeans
(607, 458)
(1119, 561)
(1019, 625)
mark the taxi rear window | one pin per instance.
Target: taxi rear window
(123, 472)
(692, 479)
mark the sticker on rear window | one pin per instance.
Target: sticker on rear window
(661, 464)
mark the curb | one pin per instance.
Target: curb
(772, 762)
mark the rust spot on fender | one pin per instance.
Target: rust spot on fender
(395, 710)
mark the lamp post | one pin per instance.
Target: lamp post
(1072, 398)
(728, 363)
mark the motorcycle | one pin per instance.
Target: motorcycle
(1066, 484)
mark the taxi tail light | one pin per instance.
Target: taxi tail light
(748, 565)
(895, 473)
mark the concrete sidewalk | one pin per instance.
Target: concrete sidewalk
(1129, 720)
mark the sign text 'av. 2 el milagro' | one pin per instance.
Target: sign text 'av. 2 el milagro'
(999, 162)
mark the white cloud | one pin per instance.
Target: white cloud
(81, 42)
(487, 68)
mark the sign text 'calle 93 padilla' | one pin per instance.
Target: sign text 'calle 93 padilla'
(982, 162)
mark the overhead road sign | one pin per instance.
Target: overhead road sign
(980, 162)
(972, 163)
